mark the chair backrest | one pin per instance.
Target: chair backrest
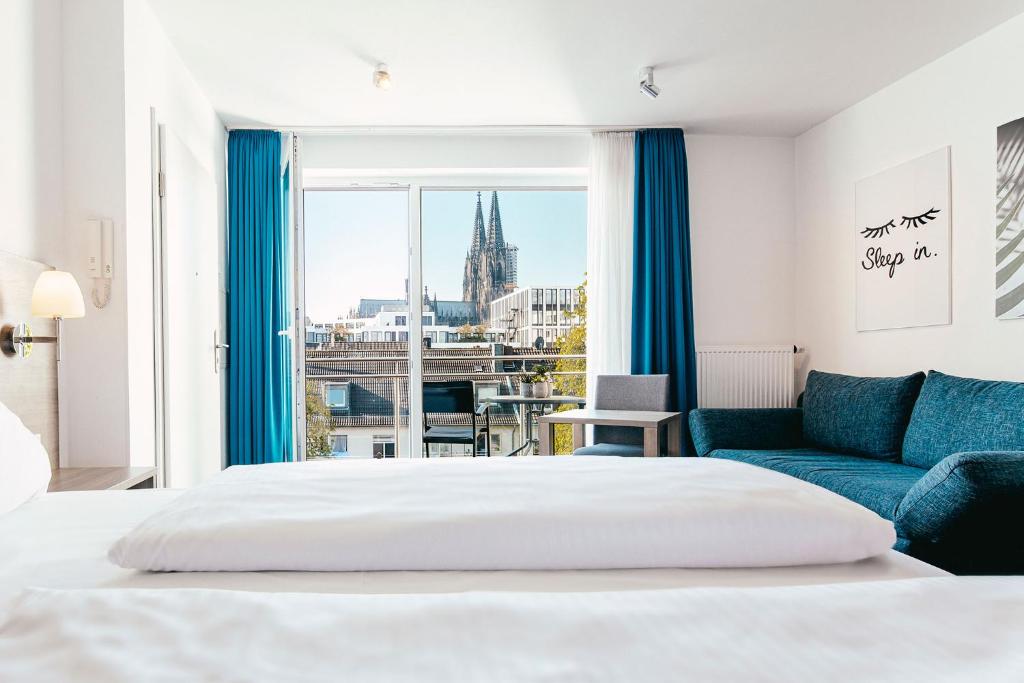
(628, 392)
(449, 397)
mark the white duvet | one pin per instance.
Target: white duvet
(502, 513)
(945, 629)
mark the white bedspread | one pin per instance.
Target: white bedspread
(502, 513)
(946, 629)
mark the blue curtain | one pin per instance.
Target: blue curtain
(259, 359)
(662, 285)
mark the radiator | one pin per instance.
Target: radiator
(745, 376)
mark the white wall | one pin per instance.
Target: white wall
(30, 129)
(117, 63)
(742, 238)
(156, 78)
(444, 150)
(958, 100)
(94, 371)
(447, 158)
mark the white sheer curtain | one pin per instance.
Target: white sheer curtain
(609, 256)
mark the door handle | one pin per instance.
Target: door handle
(216, 356)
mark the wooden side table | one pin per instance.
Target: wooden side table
(650, 421)
(102, 478)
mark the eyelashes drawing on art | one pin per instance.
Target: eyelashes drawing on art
(919, 220)
(880, 231)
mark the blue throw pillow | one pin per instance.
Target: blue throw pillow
(957, 414)
(865, 416)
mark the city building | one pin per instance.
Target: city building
(446, 312)
(535, 316)
(389, 324)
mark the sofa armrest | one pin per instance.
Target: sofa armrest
(966, 497)
(746, 428)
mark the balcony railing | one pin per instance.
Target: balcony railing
(378, 385)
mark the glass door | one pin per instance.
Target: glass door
(359, 309)
(504, 306)
(401, 286)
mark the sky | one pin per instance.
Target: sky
(357, 242)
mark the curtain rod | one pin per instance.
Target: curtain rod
(448, 130)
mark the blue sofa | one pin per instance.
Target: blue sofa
(942, 457)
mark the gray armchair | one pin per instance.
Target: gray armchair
(625, 392)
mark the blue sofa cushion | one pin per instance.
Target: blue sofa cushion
(757, 428)
(876, 484)
(864, 416)
(956, 414)
(961, 490)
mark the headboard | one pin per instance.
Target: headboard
(28, 386)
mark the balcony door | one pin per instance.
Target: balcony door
(358, 322)
(407, 284)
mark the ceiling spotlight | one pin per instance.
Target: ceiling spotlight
(647, 86)
(381, 77)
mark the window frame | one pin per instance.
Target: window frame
(426, 180)
(347, 386)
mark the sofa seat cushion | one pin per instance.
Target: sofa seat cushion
(956, 415)
(864, 416)
(623, 449)
(876, 484)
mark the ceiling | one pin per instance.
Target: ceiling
(760, 67)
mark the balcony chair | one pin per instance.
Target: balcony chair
(625, 392)
(454, 398)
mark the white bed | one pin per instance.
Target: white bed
(61, 541)
(611, 624)
(853, 632)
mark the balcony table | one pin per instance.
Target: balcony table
(528, 407)
(651, 422)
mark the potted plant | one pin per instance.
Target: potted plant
(526, 382)
(541, 381)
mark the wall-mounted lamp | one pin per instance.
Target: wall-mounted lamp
(56, 295)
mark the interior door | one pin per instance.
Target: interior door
(192, 423)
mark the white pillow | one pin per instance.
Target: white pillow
(24, 465)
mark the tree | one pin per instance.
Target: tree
(318, 423)
(572, 343)
(470, 333)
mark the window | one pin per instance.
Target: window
(485, 390)
(339, 444)
(383, 446)
(490, 267)
(336, 395)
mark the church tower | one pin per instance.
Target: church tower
(471, 276)
(491, 263)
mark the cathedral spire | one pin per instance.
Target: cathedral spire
(479, 237)
(495, 237)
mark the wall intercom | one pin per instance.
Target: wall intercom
(100, 259)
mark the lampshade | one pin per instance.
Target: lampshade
(56, 295)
